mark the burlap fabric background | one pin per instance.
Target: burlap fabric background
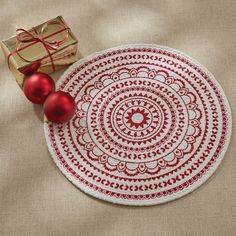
(35, 198)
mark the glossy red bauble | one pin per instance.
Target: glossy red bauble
(59, 107)
(38, 86)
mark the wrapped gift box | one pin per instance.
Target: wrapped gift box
(48, 47)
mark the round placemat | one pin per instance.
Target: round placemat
(151, 125)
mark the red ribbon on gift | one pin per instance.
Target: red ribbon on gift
(24, 36)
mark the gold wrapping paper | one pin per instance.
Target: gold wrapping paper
(31, 52)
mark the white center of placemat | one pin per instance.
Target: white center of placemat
(151, 125)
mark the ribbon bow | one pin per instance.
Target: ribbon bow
(28, 38)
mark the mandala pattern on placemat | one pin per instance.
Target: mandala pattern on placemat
(151, 125)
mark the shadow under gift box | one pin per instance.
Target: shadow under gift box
(55, 34)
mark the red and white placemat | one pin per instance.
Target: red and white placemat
(152, 125)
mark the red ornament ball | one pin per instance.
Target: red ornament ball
(59, 107)
(38, 86)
